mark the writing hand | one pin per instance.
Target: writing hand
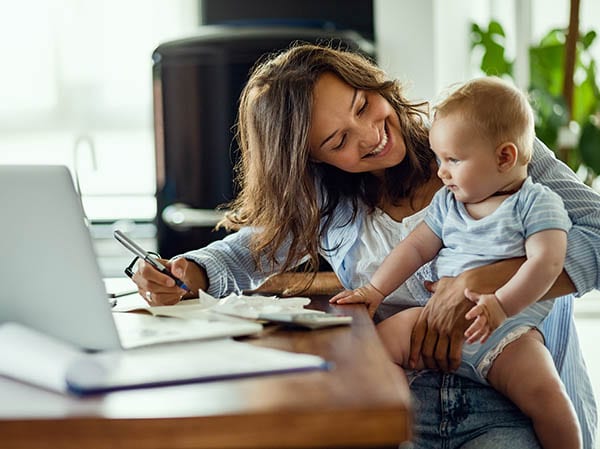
(438, 335)
(159, 289)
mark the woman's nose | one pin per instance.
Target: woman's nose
(369, 135)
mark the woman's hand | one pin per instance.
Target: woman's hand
(438, 335)
(159, 289)
(367, 294)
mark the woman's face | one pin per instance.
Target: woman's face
(354, 130)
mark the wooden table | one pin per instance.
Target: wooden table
(362, 402)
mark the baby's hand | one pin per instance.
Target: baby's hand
(488, 315)
(367, 294)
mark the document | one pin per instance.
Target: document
(32, 357)
(207, 307)
(289, 312)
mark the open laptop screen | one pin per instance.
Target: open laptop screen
(50, 279)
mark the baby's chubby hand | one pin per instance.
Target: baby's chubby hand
(488, 315)
(367, 294)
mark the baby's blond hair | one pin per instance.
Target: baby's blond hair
(499, 111)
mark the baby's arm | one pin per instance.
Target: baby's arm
(545, 252)
(419, 247)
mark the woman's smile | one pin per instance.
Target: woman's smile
(354, 130)
(383, 147)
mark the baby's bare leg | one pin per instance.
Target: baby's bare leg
(395, 334)
(525, 373)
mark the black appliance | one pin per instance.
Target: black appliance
(197, 82)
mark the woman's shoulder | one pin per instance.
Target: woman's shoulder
(535, 190)
(539, 200)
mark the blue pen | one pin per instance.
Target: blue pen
(144, 255)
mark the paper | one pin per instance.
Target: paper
(32, 357)
(252, 307)
(206, 306)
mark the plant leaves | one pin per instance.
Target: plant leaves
(589, 146)
(491, 41)
(587, 39)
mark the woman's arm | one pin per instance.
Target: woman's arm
(229, 264)
(225, 266)
(582, 261)
(439, 333)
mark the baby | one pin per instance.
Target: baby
(488, 210)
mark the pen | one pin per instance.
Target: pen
(144, 255)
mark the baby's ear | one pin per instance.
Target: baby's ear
(507, 155)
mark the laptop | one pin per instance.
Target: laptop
(50, 280)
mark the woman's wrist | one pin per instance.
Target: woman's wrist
(197, 277)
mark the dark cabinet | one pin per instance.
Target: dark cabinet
(197, 82)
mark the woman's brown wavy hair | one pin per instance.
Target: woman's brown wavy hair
(286, 197)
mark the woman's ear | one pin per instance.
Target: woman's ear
(507, 155)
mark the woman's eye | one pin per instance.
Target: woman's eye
(341, 144)
(363, 107)
(453, 161)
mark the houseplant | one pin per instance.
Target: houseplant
(554, 119)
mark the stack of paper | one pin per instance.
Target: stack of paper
(289, 311)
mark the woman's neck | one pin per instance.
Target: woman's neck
(421, 198)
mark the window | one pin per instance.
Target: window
(76, 77)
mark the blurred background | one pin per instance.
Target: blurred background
(138, 97)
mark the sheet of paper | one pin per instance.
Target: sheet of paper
(137, 329)
(252, 307)
(206, 306)
(119, 286)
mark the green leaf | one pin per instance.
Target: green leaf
(550, 114)
(494, 62)
(476, 35)
(491, 42)
(546, 85)
(589, 146)
(585, 97)
(495, 28)
(546, 66)
(587, 39)
(556, 36)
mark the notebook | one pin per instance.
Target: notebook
(50, 280)
(34, 358)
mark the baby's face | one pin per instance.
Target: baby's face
(468, 164)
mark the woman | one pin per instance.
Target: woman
(336, 162)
